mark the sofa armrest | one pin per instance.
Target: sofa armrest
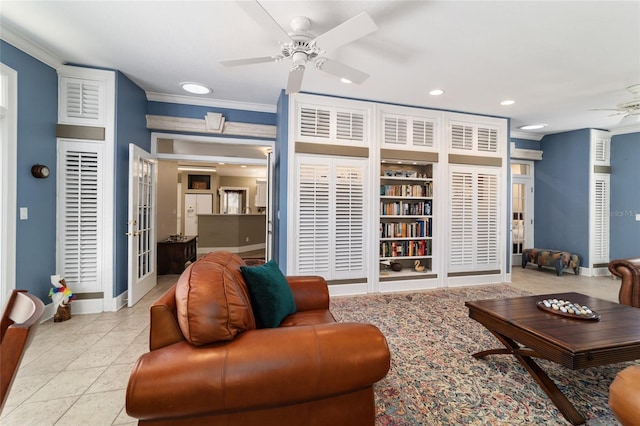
(258, 369)
(164, 329)
(629, 271)
(309, 292)
(624, 396)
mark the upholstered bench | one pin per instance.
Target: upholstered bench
(554, 258)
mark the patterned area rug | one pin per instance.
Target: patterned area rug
(434, 380)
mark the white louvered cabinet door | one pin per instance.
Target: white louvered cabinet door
(330, 124)
(349, 221)
(313, 220)
(82, 101)
(474, 224)
(403, 131)
(80, 215)
(600, 231)
(330, 218)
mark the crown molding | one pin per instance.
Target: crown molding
(29, 47)
(528, 136)
(216, 103)
(625, 130)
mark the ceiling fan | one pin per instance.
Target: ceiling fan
(303, 48)
(630, 109)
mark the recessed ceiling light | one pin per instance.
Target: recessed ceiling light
(533, 126)
(508, 102)
(243, 166)
(346, 80)
(436, 92)
(195, 88)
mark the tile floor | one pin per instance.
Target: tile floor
(76, 372)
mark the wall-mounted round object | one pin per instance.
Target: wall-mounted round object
(40, 171)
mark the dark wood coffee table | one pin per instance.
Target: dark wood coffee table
(527, 332)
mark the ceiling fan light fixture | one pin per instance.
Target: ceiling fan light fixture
(195, 88)
(533, 127)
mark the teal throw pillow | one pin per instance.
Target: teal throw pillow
(270, 294)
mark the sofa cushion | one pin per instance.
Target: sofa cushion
(210, 304)
(271, 296)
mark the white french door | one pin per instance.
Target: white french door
(521, 209)
(143, 170)
(8, 159)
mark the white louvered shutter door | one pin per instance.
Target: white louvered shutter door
(80, 216)
(474, 219)
(487, 247)
(350, 126)
(82, 101)
(395, 130)
(313, 221)
(423, 133)
(461, 137)
(600, 233)
(314, 122)
(602, 148)
(349, 221)
(487, 139)
(461, 250)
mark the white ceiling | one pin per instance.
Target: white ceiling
(556, 59)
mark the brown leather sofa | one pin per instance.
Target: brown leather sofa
(629, 271)
(624, 392)
(624, 396)
(310, 370)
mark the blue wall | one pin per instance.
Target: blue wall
(562, 193)
(193, 111)
(625, 196)
(37, 118)
(131, 127)
(526, 143)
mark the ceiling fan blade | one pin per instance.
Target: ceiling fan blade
(341, 70)
(262, 17)
(295, 79)
(249, 61)
(353, 29)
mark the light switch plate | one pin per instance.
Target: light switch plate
(637, 217)
(24, 213)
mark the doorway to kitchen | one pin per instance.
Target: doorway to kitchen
(215, 188)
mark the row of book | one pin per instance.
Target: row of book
(425, 190)
(404, 208)
(419, 228)
(405, 248)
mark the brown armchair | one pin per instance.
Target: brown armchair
(310, 370)
(18, 325)
(629, 271)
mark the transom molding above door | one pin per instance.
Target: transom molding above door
(211, 123)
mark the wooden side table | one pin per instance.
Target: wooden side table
(174, 253)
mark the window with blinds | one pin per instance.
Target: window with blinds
(474, 243)
(330, 202)
(79, 216)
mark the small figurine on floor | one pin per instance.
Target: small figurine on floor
(61, 296)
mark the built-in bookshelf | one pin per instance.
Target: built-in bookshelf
(406, 220)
